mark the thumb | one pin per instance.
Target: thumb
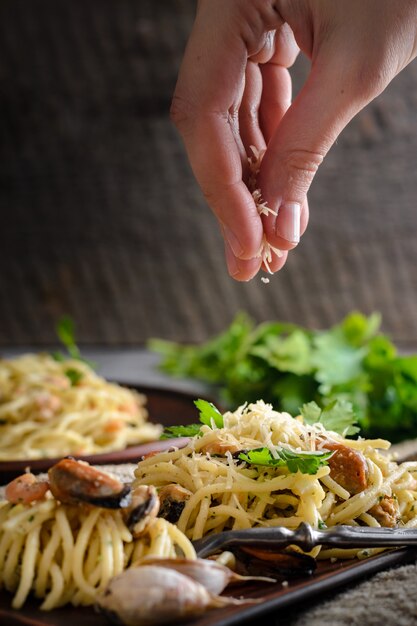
(322, 109)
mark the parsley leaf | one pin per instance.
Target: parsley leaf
(171, 432)
(209, 413)
(73, 375)
(337, 416)
(304, 462)
(65, 329)
(287, 354)
(66, 333)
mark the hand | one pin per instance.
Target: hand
(234, 91)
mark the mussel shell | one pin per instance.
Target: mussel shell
(260, 562)
(140, 511)
(114, 501)
(171, 510)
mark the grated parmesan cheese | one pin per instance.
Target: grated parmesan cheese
(266, 251)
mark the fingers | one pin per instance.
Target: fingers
(277, 87)
(276, 97)
(206, 100)
(240, 269)
(297, 148)
(249, 127)
(265, 100)
(246, 270)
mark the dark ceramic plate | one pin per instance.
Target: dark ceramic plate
(275, 597)
(168, 408)
(164, 406)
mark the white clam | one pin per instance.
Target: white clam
(214, 576)
(148, 595)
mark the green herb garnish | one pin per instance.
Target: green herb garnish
(66, 333)
(73, 375)
(288, 366)
(65, 329)
(304, 462)
(337, 416)
(208, 415)
(170, 432)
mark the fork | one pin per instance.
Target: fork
(306, 537)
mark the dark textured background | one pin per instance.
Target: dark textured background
(100, 217)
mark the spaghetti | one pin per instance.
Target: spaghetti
(67, 553)
(52, 408)
(360, 485)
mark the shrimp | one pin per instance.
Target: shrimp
(26, 489)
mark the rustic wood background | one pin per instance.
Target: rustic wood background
(101, 217)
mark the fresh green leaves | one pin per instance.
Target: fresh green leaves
(337, 416)
(288, 366)
(66, 333)
(65, 329)
(171, 432)
(73, 375)
(287, 354)
(209, 415)
(304, 462)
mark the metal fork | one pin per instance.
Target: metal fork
(307, 537)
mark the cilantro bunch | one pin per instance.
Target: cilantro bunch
(288, 366)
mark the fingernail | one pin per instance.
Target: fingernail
(232, 262)
(287, 224)
(233, 241)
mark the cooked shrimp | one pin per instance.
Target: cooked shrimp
(26, 489)
(347, 467)
(74, 482)
(47, 404)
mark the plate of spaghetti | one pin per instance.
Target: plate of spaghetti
(52, 408)
(78, 538)
(259, 467)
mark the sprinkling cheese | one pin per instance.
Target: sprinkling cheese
(265, 280)
(266, 251)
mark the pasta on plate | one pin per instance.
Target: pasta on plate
(65, 548)
(264, 468)
(51, 408)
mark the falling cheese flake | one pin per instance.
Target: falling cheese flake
(266, 250)
(264, 280)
